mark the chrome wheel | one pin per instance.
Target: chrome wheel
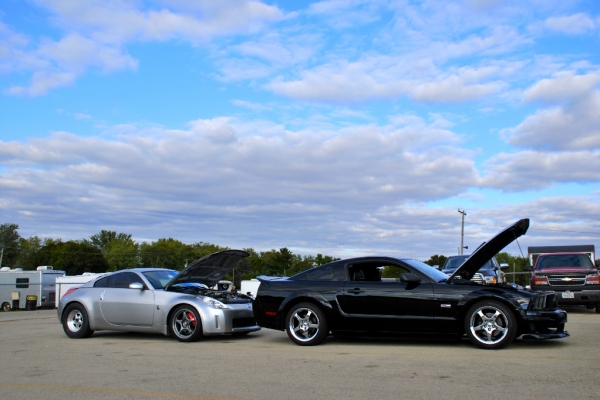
(490, 325)
(306, 324)
(75, 320)
(186, 324)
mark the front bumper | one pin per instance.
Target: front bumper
(545, 324)
(236, 318)
(580, 297)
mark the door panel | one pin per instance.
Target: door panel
(121, 306)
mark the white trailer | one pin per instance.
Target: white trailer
(65, 283)
(250, 286)
(16, 285)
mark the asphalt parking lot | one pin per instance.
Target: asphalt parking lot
(40, 362)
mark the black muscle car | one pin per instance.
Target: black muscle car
(351, 296)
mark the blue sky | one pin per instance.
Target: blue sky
(336, 127)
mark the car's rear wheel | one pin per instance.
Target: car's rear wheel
(186, 324)
(490, 325)
(306, 324)
(76, 323)
(598, 308)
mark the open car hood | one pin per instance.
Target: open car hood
(489, 249)
(210, 269)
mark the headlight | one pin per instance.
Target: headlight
(214, 303)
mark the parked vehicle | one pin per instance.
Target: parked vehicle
(350, 296)
(535, 251)
(572, 275)
(161, 300)
(64, 283)
(17, 285)
(490, 274)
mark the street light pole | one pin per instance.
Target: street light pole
(462, 231)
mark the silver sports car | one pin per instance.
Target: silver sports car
(161, 300)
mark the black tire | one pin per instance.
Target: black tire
(597, 308)
(185, 324)
(490, 325)
(6, 306)
(76, 323)
(306, 324)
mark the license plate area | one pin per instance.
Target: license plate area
(568, 295)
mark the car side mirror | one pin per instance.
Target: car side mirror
(136, 285)
(528, 268)
(504, 266)
(410, 278)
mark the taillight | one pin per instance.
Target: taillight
(539, 280)
(70, 291)
(592, 280)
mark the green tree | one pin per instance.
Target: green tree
(167, 253)
(103, 238)
(9, 244)
(75, 258)
(122, 253)
(438, 260)
(516, 268)
(30, 255)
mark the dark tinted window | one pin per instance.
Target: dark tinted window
(123, 280)
(102, 282)
(22, 283)
(561, 261)
(320, 274)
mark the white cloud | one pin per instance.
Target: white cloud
(575, 24)
(533, 170)
(572, 125)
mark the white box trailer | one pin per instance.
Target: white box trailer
(535, 251)
(65, 283)
(250, 286)
(16, 285)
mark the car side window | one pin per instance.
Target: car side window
(325, 274)
(123, 280)
(102, 282)
(375, 272)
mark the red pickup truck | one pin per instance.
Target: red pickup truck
(573, 276)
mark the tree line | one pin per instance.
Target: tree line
(109, 251)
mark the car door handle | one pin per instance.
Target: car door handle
(355, 291)
(102, 295)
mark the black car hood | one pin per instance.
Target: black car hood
(489, 249)
(209, 269)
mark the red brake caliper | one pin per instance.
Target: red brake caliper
(192, 319)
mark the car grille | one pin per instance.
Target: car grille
(478, 278)
(242, 322)
(545, 301)
(566, 280)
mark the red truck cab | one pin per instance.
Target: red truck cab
(572, 275)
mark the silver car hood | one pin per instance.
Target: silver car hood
(489, 249)
(210, 269)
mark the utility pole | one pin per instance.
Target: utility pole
(462, 231)
(1, 255)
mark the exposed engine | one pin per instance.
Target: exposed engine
(226, 297)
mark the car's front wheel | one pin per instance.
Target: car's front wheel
(186, 324)
(490, 325)
(76, 323)
(306, 324)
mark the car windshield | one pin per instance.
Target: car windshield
(427, 270)
(454, 262)
(158, 279)
(562, 261)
